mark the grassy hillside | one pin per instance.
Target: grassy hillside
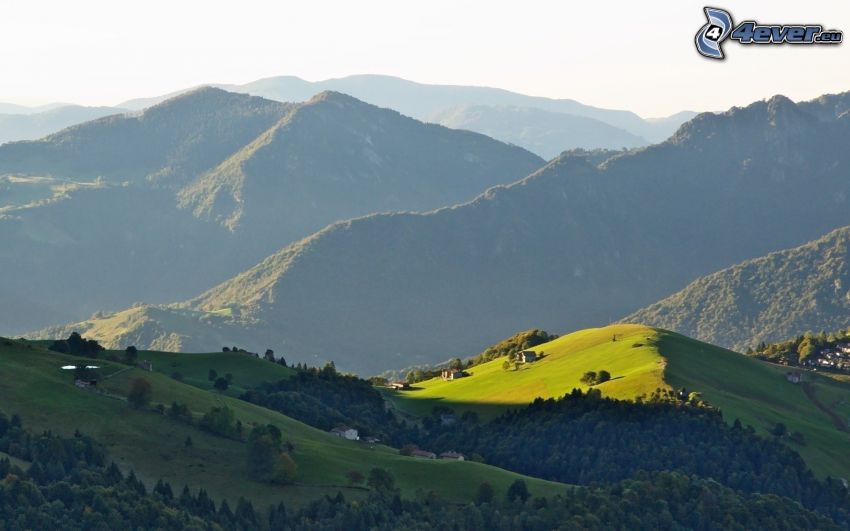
(643, 359)
(193, 369)
(152, 444)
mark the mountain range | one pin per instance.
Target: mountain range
(770, 298)
(542, 125)
(163, 204)
(584, 240)
(427, 102)
(31, 126)
(543, 132)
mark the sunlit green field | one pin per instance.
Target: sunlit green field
(634, 364)
(642, 359)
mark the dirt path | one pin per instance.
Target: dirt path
(839, 422)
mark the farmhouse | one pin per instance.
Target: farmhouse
(452, 455)
(527, 356)
(400, 386)
(794, 377)
(452, 374)
(345, 432)
(423, 454)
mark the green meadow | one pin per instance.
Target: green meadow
(641, 360)
(246, 370)
(152, 444)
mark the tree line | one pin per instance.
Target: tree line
(69, 485)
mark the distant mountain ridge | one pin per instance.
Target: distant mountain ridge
(770, 298)
(425, 101)
(575, 244)
(543, 132)
(31, 126)
(173, 140)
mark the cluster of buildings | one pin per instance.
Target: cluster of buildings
(836, 357)
(351, 434)
(425, 454)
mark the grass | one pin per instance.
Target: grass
(247, 371)
(633, 362)
(643, 359)
(758, 394)
(153, 444)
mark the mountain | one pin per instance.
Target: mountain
(161, 205)
(36, 125)
(336, 157)
(543, 132)
(574, 244)
(170, 142)
(770, 298)
(641, 359)
(425, 101)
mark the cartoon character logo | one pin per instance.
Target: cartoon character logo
(716, 30)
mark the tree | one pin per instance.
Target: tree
(485, 493)
(140, 393)
(263, 453)
(212, 375)
(219, 421)
(408, 449)
(603, 376)
(779, 429)
(131, 354)
(805, 349)
(506, 365)
(355, 477)
(269, 354)
(589, 378)
(518, 491)
(221, 384)
(381, 480)
(285, 470)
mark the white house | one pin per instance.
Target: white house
(346, 433)
(527, 356)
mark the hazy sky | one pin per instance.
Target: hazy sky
(632, 55)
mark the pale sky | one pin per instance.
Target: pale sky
(617, 54)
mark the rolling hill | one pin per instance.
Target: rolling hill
(574, 244)
(769, 298)
(160, 206)
(543, 132)
(641, 360)
(152, 443)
